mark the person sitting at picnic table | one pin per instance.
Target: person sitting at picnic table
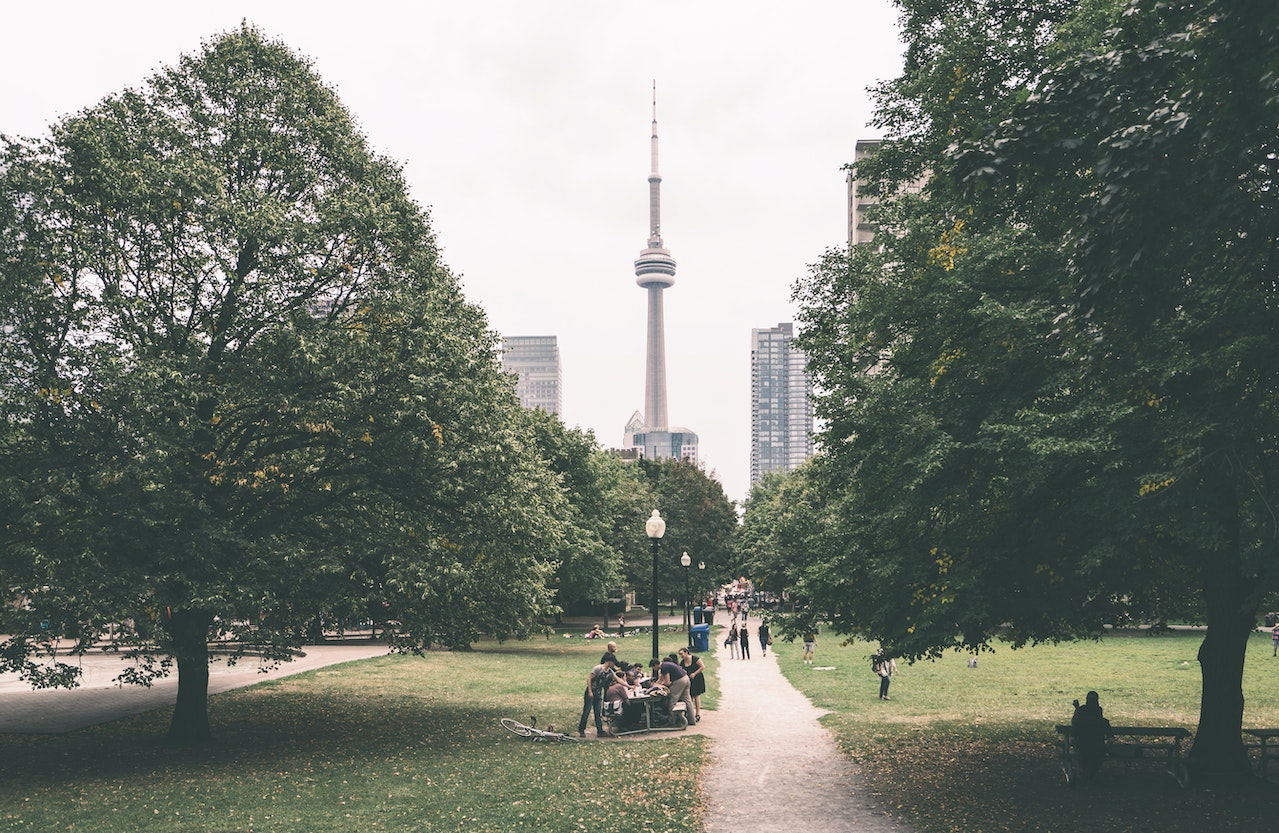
(677, 683)
(1090, 730)
(632, 712)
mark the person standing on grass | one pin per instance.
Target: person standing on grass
(810, 645)
(696, 671)
(885, 668)
(744, 640)
(765, 638)
(597, 682)
(1274, 640)
(610, 653)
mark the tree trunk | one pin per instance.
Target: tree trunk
(190, 632)
(1218, 747)
(1218, 750)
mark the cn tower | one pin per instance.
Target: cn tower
(655, 271)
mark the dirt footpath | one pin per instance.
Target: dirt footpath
(774, 768)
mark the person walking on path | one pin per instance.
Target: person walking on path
(765, 638)
(885, 668)
(730, 641)
(744, 641)
(764, 727)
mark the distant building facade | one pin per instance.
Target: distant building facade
(536, 362)
(641, 440)
(860, 229)
(781, 402)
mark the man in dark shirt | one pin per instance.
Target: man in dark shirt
(610, 652)
(677, 684)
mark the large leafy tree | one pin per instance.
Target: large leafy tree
(1050, 385)
(700, 520)
(607, 501)
(242, 389)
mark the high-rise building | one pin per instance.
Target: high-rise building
(536, 362)
(781, 405)
(651, 431)
(860, 229)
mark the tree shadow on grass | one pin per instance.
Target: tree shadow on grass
(1006, 786)
(258, 728)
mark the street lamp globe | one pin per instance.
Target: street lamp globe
(654, 528)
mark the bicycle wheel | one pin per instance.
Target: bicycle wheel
(516, 727)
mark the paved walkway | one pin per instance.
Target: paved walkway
(774, 768)
(98, 699)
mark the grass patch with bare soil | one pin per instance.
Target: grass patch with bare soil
(974, 749)
(391, 744)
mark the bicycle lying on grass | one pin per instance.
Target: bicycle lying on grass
(531, 731)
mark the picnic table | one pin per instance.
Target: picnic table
(654, 714)
(1134, 744)
(1268, 748)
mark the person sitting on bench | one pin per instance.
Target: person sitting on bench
(1090, 730)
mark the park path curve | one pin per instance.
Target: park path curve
(774, 769)
(98, 699)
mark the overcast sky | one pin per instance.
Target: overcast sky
(524, 127)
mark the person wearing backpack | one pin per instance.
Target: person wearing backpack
(885, 668)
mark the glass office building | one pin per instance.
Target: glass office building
(781, 406)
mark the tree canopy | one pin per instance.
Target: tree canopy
(240, 387)
(1049, 387)
(700, 520)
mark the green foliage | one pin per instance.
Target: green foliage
(606, 502)
(246, 386)
(1049, 387)
(700, 520)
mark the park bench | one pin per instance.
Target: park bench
(1160, 745)
(1266, 747)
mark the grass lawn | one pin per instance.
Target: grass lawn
(390, 744)
(974, 750)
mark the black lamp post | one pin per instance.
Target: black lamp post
(655, 528)
(708, 611)
(688, 613)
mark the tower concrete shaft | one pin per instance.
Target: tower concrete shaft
(655, 271)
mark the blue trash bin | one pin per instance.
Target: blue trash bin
(701, 637)
(697, 615)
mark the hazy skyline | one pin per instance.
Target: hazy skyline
(524, 128)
